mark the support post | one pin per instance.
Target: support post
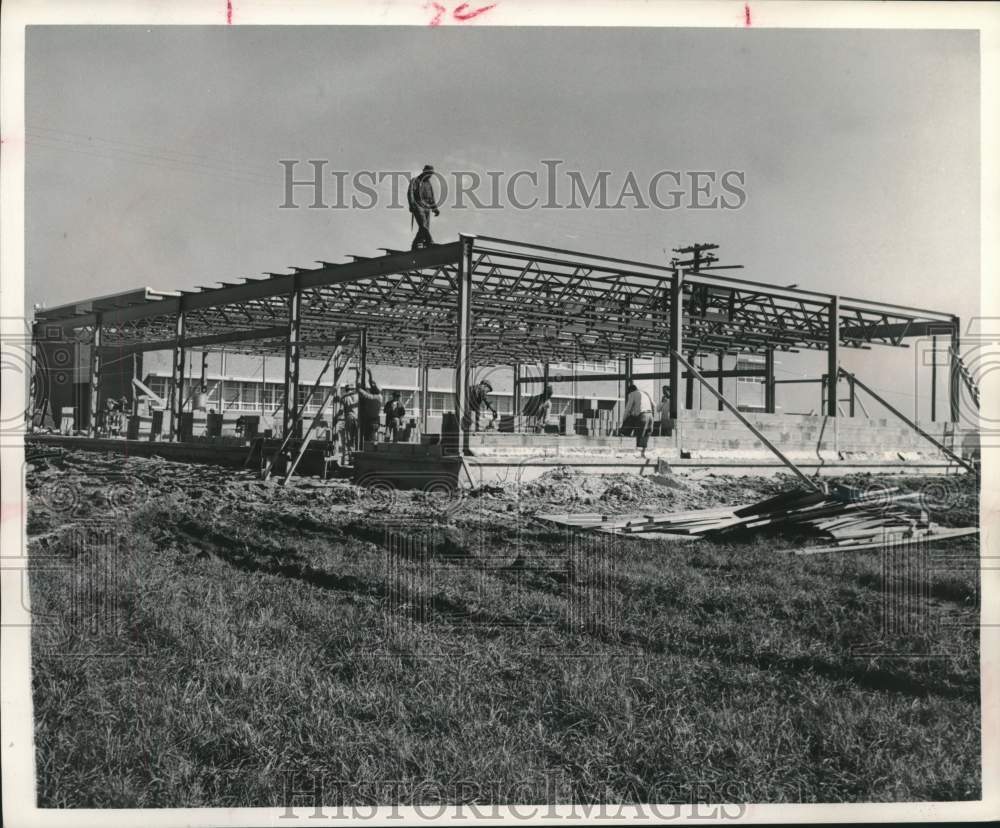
(954, 376)
(689, 385)
(95, 377)
(676, 340)
(517, 389)
(177, 380)
(720, 379)
(363, 357)
(769, 387)
(853, 393)
(833, 356)
(425, 396)
(933, 378)
(292, 350)
(462, 369)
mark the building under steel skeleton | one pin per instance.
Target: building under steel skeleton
(488, 301)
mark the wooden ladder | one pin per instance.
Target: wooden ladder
(307, 437)
(300, 410)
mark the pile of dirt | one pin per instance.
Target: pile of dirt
(571, 489)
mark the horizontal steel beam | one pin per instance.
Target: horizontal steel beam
(891, 331)
(198, 341)
(654, 375)
(262, 288)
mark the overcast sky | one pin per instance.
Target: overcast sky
(153, 153)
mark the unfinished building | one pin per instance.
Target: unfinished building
(481, 303)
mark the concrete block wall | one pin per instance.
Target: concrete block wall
(720, 431)
(720, 435)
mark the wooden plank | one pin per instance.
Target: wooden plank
(930, 537)
(783, 500)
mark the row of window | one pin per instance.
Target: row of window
(602, 366)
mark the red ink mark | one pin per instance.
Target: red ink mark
(229, 12)
(746, 15)
(461, 12)
(439, 13)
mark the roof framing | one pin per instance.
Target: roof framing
(529, 304)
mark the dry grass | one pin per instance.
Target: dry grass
(262, 642)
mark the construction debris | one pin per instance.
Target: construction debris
(851, 517)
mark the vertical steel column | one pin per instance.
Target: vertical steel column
(689, 383)
(363, 357)
(629, 370)
(853, 393)
(517, 389)
(933, 378)
(769, 402)
(954, 377)
(292, 350)
(676, 340)
(95, 375)
(462, 371)
(720, 380)
(177, 380)
(833, 356)
(425, 395)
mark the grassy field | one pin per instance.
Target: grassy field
(271, 638)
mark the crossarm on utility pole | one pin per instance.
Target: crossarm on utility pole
(739, 416)
(940, 446)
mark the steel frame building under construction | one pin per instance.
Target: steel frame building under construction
(484, 301)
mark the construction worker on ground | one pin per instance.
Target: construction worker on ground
(395, 411)
(663, 413)
(476, 397)
(369, 409)
(422, 202)
(349, 413)
(538, 407)
(637, 418)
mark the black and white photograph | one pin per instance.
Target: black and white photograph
(499, 412)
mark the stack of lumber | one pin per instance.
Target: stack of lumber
(849, 517)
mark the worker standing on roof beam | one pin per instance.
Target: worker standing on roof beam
(420, 196)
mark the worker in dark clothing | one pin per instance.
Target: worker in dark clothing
(538, 407)
(476, 399)
(369, 409)
(395, 411)
(350, 408)
(422, 201)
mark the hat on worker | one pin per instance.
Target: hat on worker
(428, 168)
(486, 385)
